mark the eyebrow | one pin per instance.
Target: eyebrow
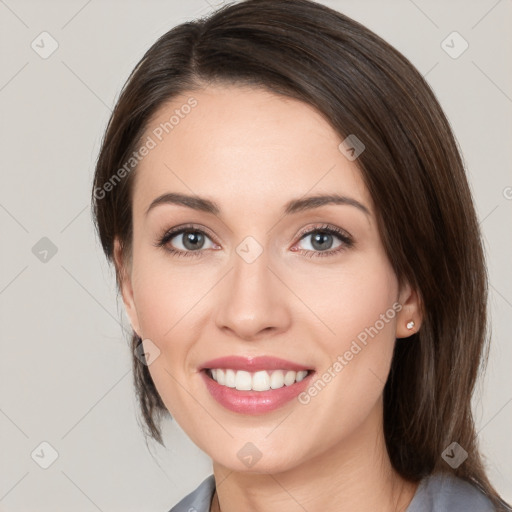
(293, 206)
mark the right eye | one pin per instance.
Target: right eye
(189, 241)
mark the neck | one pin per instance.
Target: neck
(355, 475)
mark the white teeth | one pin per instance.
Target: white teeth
(301, 375)
(243, 381)
(220, 377)
(277, 379)
(230, 379)
(257, 381)
(261, 381)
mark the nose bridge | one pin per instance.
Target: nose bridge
(251, 300)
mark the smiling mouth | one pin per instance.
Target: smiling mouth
(263, 380)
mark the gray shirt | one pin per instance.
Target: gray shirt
(436, 493)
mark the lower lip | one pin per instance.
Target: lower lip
(254, 402)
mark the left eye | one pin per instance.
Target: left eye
(322, 240)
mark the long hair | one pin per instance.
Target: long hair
(411, 166)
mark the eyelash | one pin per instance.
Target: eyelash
(344, 237)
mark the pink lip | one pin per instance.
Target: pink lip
(253, 364)
(254, 402)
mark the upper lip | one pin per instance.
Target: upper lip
(253, 364)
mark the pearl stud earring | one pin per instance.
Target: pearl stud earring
(410, 324)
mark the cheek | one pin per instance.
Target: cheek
(367, 323)
(359, 307)
(164, 320)
(169, 303)
(350, 299)
(166, 294)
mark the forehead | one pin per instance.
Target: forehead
(238, 143)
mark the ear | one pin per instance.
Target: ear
(411, 312)
(123, 271)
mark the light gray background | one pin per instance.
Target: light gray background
(65, 366)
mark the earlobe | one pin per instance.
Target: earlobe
(410, 316)
(125, 284)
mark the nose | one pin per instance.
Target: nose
(253, 300)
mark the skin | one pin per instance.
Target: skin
(251, 151)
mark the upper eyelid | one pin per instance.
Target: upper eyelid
(325, 227)
(179, 230)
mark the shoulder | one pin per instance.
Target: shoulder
(443, 492)
(436, 493)
(199, 499)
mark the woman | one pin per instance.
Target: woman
(298, 253)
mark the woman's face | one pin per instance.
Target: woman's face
(260, 278)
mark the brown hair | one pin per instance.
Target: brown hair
(411, 167)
